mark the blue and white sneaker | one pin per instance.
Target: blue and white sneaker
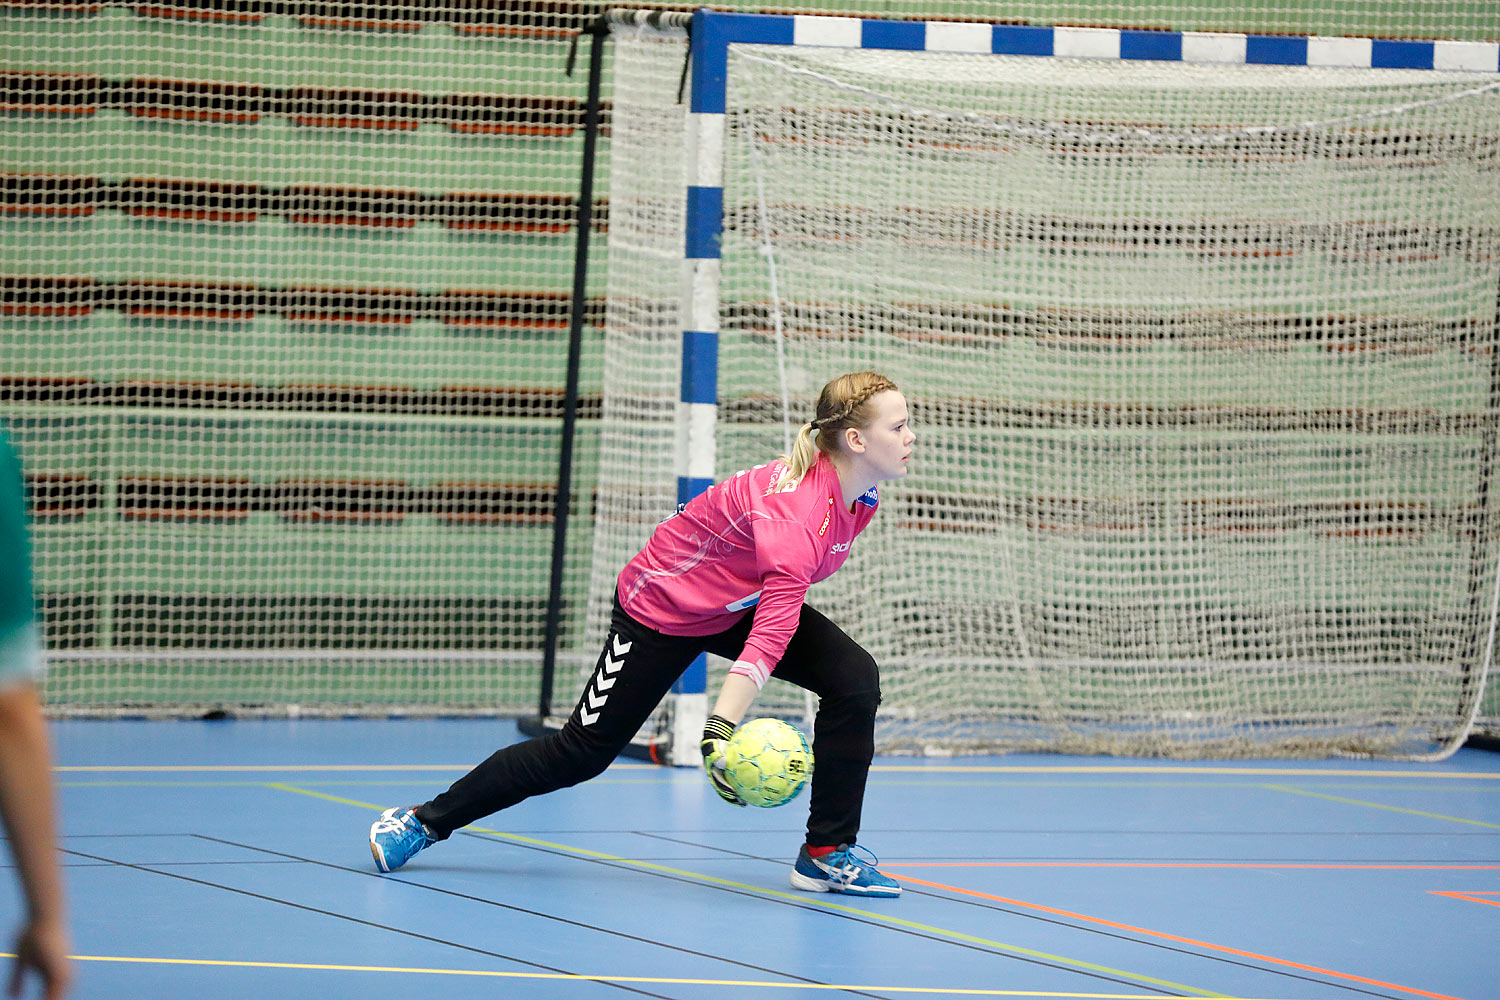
(840, 871)
(396, 837)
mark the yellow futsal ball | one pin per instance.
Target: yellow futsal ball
(767, 762)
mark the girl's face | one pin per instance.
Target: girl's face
(888, 440)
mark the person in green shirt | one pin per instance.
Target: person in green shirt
(27, 806)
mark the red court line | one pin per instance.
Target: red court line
(1470, 896)
(1183, 864)
(1179, 939)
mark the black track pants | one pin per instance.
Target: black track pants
(636, 669)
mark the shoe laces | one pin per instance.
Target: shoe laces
(405, 825)
(849, 863)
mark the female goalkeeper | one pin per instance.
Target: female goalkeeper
(727, 575)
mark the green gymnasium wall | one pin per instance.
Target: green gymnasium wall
(283, 308)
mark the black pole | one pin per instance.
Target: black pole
(598, 30)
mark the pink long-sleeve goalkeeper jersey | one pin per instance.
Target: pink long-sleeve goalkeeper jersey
(752, 541)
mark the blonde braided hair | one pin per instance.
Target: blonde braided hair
(841, 405)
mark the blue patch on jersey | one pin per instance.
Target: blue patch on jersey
(869, 497)
(744, 603)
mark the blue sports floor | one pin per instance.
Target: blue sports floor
(229, 859)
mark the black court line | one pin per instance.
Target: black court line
(1447, 864)
(994, 907)
(813, 908)
(535, 913)
(365, 923)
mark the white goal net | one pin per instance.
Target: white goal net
(1201, 360)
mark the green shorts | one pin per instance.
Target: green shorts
(20, 639)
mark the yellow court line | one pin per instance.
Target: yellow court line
(804, 899)
(647, 980)
(1382, 805)
(880, 768)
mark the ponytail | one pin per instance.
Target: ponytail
(804, 453)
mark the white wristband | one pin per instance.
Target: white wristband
(757, 671)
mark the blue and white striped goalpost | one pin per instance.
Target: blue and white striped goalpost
(712, 34)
